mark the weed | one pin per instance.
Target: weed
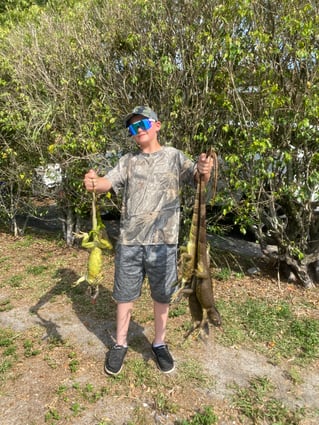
(164, 404)
(51, 362)
(142, 374)
(5, 366)
(294, 375)
(6, 337)
(92, 395)
(270, 328)
(76, 386)
(76, 408)
(10, 351)
(55, 341)
(260, 319)
(62, 389)
(29, 350)
(256, 403)
(52, 414)
(15, 281)
(74, 363)
(205, 417)
(36, 270)
(191, 370)
(25, 242)
(223, 274)
(178, 310)
(5, 305)
(3, 259)
(305, 333)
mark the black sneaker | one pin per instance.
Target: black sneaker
(163, 358)
(114, 359)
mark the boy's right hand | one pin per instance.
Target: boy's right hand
(90, 180)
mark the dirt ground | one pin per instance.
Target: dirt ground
(30, 389)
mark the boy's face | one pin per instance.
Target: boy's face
(144, 136)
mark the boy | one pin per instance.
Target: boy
(150, 181)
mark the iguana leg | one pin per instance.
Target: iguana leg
(80, 280)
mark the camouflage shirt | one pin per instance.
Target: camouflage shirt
(151, 184)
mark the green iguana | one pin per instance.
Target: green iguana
(195, 281)
(95, 240)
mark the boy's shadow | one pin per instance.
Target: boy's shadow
(98, 318)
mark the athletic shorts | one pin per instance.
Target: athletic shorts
(134, 263)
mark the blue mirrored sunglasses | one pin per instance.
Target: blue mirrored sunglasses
(144, 124)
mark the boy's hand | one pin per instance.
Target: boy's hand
(94, 183)
(90, 180)
(204, 164)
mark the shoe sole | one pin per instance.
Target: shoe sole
(109, 372)
(165, 371)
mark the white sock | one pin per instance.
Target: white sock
(158, 345)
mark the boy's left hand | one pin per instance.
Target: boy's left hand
(204, 164)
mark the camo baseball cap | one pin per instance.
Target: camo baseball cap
(145, 111)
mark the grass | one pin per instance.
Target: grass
(271, 328)
(204, 417)
(257, 403)
(285, 332)
(5, 305)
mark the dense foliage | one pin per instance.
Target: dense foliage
(242, 76)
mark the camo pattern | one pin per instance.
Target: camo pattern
(150, 185)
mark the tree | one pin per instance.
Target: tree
(274, 131)
(239, 75)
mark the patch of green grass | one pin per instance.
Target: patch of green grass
(257, 403)
(271, 328)
(192, 371)
(164, 404)
(76, 408)
(36, 270)
(52, 415)
(55, 341)
(178, 309)
(204, 417)
(6, 337)
(73, 363)
(25, 242)
(5, 305)
(5, 365)
(223, 274)
(91, 394)
(3, 259)
(29, 350)
(62, 389)
(303, 336)
(294, 375)
(8, 350)
(141, 373)
(260, 318)
(16, 281)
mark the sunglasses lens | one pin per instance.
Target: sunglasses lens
(132, 129)
(144, 124)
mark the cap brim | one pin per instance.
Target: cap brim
(128, 117)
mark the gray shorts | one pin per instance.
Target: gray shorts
(133, 263)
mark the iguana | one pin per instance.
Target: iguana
(195, 281)
(95, 240)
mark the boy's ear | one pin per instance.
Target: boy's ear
(158, 125)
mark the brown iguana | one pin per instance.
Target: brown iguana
(95, 240)
(195, 281)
